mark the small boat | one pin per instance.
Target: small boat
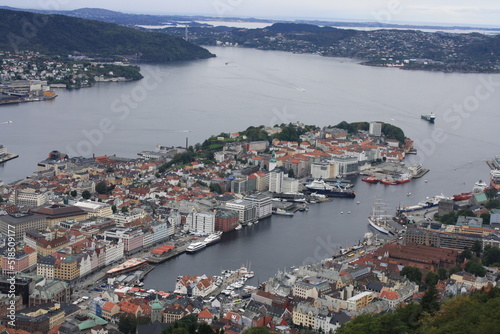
(239, 227)
(348, 212)
(430, 117)
(408, 194)
(341, 212)
(357, 202)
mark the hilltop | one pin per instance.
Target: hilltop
(58, 34)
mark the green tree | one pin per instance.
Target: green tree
(431, 278)
(442, 273)
(1, 199)
(466, 213)
(113, 207)
(101, 187)
(215, 188)
(491, 193)
(204, 329)
(475, 268)
(86, 194)
(492, 204)
(291, 173)
(127, 324)
(454, 270)
(124, 209)
(257, 330)
(430, 301)
(73, 193)
(412, 273)
(491, 255)
(477, 248)
(485, 217)
(466, 254)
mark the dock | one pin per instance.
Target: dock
(422, 172)
(7, 156)
(153, 259)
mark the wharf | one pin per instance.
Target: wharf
(421, 173)
(160, 259)
(7, 156)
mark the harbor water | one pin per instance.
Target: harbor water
(243, 87)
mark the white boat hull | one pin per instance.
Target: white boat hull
(378, 227)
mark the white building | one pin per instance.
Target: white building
(322, 170)
(290, 185)
(95, 209)
(263, 204)
(201, 222)
(114, 251)
(247, 210)
(160, 231)
(276, 181)
(28, 198)
(375, 129)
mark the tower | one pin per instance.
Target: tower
(156, 310)
(272, 162)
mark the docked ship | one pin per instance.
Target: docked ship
(283, 212)
(479, 187)
(430, 118)
(329, 190)
(379, 217)
(495, 179)
(196, 246)
(462, 196)
(429, 202)
(404, 178)
(132, 264)
(370, 179)
(213, 238)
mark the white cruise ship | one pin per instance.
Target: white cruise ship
(196, 246)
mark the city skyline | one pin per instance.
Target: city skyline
(481, 13)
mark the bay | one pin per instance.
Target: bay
(243, 87)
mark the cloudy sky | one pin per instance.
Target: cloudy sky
(457, 12)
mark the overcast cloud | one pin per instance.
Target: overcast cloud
(457, 12)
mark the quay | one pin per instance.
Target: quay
(157, 259)
(421, 173)
(5, 155)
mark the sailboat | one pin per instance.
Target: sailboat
(378, 218)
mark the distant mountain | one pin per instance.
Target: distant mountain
(58, 34)
(110, 16)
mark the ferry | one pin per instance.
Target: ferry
(213, 238)
(321, 187)
(196, 246)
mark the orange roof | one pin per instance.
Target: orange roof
(391, 295)
(205, 314)
(108, 306)
(129, 307)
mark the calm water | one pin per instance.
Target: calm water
(243, 87)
